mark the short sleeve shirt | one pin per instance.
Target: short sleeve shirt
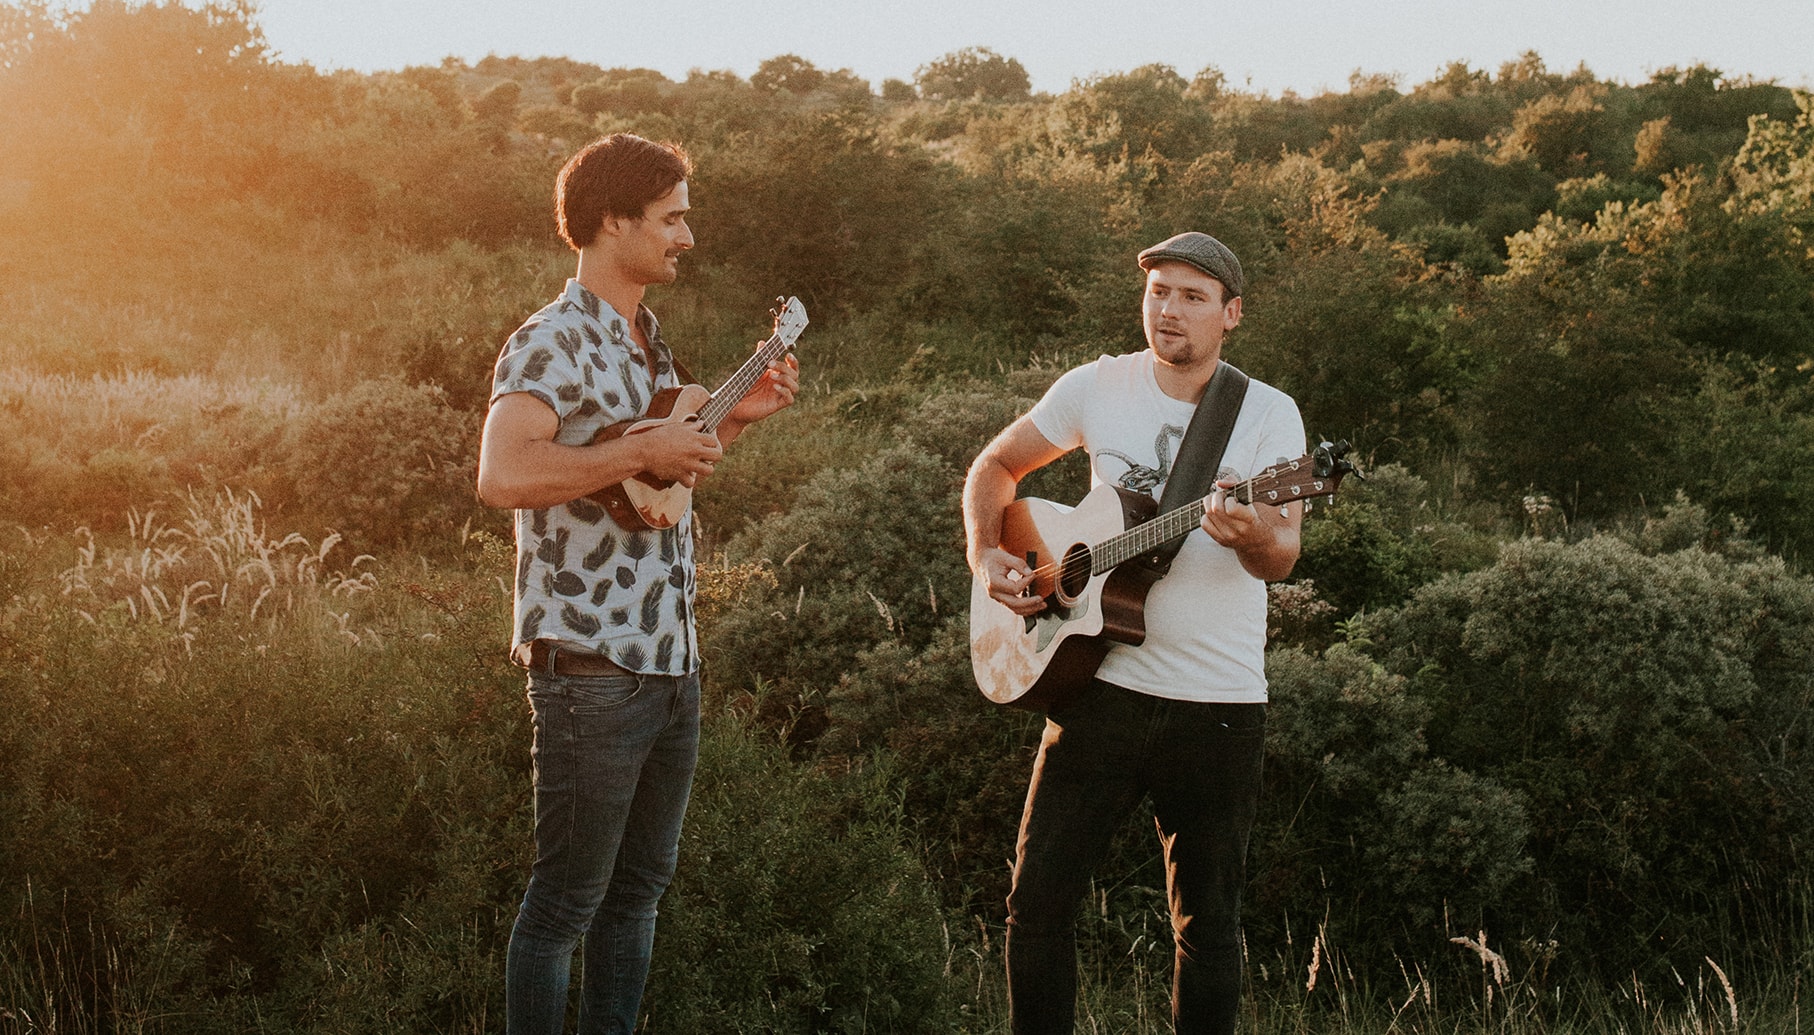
(1206, 619)
(581, 578)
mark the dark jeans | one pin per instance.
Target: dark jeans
(1201, 765)
(614, 760)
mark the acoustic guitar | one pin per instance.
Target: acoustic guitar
(646, 501)
(1094, 599)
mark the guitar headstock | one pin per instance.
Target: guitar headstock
(790, 319)
(1318, 473)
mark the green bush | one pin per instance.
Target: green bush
(1649, 712)
(105, 451)
(305, 809)
(800, 904)
(865, 555)
(962, 762)
(383, 463)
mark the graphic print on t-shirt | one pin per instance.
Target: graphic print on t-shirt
(1140, 478)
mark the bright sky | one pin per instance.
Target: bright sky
(1265, 45)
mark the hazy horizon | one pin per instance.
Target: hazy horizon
(1306, 46)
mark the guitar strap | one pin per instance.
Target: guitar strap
(1193, 473)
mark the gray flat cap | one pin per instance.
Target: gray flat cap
(1205, 253)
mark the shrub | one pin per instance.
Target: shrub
(865, 555)
(1648, 710)
(259, 818)
(318, 818)
(383, 463)
(97, 450)
(799, 905)
(962, 762)
(1380, 539)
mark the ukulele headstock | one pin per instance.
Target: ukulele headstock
(790, 319)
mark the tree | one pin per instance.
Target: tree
(1563, 132)
(1621, 696)
(498, 104)
(623, 91)
(787, 72)
(1775, 167)
(1134, 115)
(974, 72)
(898, 90)
(124, 105)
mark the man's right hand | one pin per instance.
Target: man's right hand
(521, 466)
(680, 452)
(1008, 578)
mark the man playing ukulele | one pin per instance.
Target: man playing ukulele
(603, 617)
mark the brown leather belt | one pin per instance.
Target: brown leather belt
(553, 659)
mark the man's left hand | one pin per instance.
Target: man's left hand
(1232, 523)
(1267, 544)
(770, 395)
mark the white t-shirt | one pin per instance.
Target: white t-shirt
(1206, 619)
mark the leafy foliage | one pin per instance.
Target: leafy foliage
(245, 290)
(973, 72)
(383, 462)
(1622, 697)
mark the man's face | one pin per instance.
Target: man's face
(1184, 315)
(653, 242)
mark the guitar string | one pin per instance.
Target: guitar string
(1072, 563)
(1153, 533)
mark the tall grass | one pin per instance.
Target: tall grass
(218, 558)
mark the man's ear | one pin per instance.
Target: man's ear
(1231, 314)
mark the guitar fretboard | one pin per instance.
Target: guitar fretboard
(1176, 524)
(1144, 537)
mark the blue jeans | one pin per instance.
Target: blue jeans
(614, 759)
(1100, 755)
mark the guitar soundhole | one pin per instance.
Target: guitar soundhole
(1075, 575)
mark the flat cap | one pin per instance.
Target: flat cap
(1205, 253)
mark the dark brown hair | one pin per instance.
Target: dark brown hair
(615, 176)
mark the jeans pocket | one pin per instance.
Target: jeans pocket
(1247, 719)
(592, 694)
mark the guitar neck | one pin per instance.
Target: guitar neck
(732, 391)
(1303, 479)
(1149, 535)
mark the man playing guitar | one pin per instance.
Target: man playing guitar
(1180, 716)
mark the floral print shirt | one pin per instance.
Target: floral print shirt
(581, 578)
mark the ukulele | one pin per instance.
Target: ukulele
(646, 501)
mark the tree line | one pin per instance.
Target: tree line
(1544, 675)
